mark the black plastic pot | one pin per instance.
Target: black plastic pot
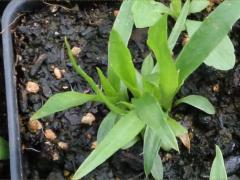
(9, 16)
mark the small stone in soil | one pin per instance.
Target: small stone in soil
(50, 135)
(89, 118)
(94, 145)
(34, 125)
(63, 145)
(76, 50)
(232, 164)
(32, 87)
(57, 72)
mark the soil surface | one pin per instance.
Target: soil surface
(41, 33)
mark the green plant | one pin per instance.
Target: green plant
(147, 12)
(3, 149)
(218, 170)
(140, 102)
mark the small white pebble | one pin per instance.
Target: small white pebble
(54, 8)
(32, 87)
(88, 119)
(56, 33)
(76, 51)
(55, 156)
(57, 73)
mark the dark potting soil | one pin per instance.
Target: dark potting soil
(42, 33)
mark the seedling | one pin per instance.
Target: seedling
(140, 102)
(3, 149)
(218, 170)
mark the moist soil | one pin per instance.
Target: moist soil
(87, 26)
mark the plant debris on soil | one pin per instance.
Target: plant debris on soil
(56, 147)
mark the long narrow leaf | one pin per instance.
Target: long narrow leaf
(147, 65)
(106, 85)
(121, 62)
(157, 169)
(218, 170)
(199, 102)
(106, 125)
(63, 101)
(176, 6)
(222, 57)
(210, 34)
(198, 5)
(147, 12)
(176, 127)
(151, 146)
(179, 25)
(168, 75)
(124, 131)
(123, 24)
(150, 112)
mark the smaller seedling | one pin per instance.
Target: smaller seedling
(218, 170)
(4, 152)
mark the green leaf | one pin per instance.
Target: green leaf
(150, 112)
(218, 170)
(157, 169)
(106, 85)
(63, 101)
(151, 147)
(124, 131)
(222, 57)
(147, 65)
(176, 6)
(121, 62)
(147, 12)
(211, 32)
(179, 25)
(198, 5)
(4, 150)
(131, 143)
(176, 127)
(123, 25)
(90, 81)
(199, 102)
(168, 75)
(106, 125)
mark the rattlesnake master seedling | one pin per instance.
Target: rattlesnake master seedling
(140, 101)
(4, 151)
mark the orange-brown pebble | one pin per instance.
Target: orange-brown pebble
(34, 125)
(50, 135)
(63, 145)
(32, 87)
(76, 50)
(89, 118)
(57, 72)
(94, 145)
